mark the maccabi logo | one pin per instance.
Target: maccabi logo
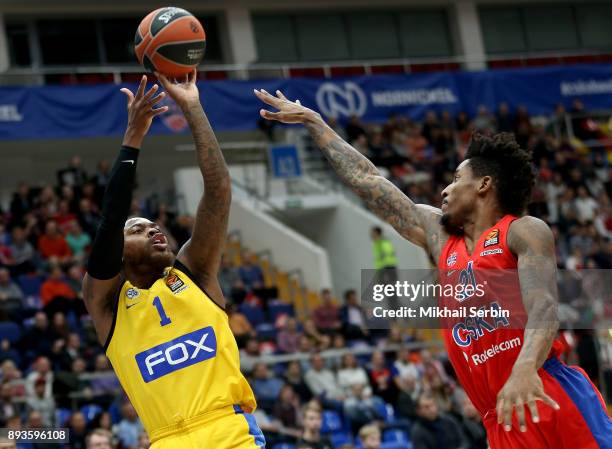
(346, 100)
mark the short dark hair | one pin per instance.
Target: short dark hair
(349, 292)
(377, 230)
(501, 157)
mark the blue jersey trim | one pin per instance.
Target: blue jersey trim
(586, 399)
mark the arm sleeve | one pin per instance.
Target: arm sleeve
(107, 250)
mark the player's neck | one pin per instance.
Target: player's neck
(142, 277)
(480, 220)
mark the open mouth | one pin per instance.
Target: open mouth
(159, 241)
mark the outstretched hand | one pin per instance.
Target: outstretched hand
(288, 111)
(141, 111)
(183, 91)
(522, 389)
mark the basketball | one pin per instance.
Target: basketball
(170, 41)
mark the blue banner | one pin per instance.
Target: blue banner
(87, 111)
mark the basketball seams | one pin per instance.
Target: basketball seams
(165, 29)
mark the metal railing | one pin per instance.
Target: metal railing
(327, 69)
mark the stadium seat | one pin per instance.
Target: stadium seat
(331, 422)
(30, 284)
(10, 331)
(266, 331)
(284, 446)
(340, 438)
(254, 314)
(395, 436)
(396, 445)
(62, 415)
(280, 308)
(90, 411)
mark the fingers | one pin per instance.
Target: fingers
(193, 76)
(520, 413)
(157, 111)
(280, 95)
(162, 79)
(267, 98)
(533, 408)
(128, 93)
(150, 92)
(507, 415)
(548, 400)
(157, 98)
(270, 115)
(141, 87)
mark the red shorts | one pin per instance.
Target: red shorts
(581, 422)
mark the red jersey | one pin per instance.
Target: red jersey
(483, 350)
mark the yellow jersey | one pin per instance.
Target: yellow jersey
(174, 353)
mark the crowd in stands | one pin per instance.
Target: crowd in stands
(383, 392)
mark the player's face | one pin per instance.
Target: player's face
(145, 244)
(458, 198)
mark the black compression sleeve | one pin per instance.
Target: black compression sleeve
(107, 249)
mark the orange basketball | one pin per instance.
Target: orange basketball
(170, 41)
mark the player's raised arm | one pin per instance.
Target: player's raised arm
(103, 278)
(418, 223)
(532, 241)
(202, 253)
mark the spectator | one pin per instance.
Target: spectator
(21, 202)
(370, 436)
(8, 407)
(22, 252)
(143, 441)
(78, 431)
(432, 430)
(266, 386)
(105, 386)
(77, 240)
(287, 408)
(250, 274)
(322, 381)
(128, 430)
(288, 339)
(240, 326)
(483, 121)
(353, 318)
(99, 439)
(88, 216)
(8, 289)
(385, 262)
(381, 378)
(293, 377)
(471, 425)
(505, 121)
(37, 340)
(56, 294)
(42, 371)
(585, 205)
(53, 245)
(249, 355)
(73, 175)
(354, 128)
(327, 315)
(311, 436)
(42, 403)
(228, 276)
(351, 375)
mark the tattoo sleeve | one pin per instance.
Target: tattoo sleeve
(415, 222)
(203, 251)
(532, 240)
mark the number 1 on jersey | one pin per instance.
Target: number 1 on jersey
(162, 313)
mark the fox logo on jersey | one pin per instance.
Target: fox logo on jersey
(184, 351)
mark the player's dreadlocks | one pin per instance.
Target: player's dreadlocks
(501, 157)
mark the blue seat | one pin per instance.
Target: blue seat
(395, 436)
(396, 445)
(10, 331)
(331, 422)
(284, 446)
(266, 331)
(62, 415)
(30, 284)
(90, 411)
(254, 314)
(340, 438)
(280, 308)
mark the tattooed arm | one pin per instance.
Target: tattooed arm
(532, 241)
(419, 223)
(202, 253)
